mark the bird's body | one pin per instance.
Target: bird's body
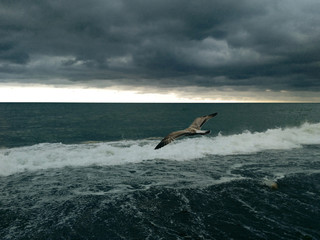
(193, 129)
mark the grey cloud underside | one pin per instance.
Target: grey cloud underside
(259, 44)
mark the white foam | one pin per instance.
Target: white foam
(57, 155)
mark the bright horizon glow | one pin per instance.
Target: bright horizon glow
(77, 94)
(48, 93)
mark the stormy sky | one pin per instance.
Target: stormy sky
(270, 46)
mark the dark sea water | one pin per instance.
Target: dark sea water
(90, 171)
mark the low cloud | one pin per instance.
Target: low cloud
(255, 45)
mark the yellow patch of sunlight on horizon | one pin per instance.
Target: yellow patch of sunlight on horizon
(14, 93)
(61, 93)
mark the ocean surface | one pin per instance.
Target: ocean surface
(90, 171)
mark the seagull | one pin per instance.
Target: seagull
(193, 129)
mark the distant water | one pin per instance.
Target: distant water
(90, 171)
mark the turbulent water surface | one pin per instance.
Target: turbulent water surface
(90, 171)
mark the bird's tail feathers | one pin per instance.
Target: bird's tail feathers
(203, 132)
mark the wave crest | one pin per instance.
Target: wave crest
(57, 155)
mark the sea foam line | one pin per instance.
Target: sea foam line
(57, 155)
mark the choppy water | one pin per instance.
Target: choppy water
(90, 171)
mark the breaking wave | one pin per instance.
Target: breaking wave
(58, 155)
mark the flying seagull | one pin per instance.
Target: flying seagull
(193, 129)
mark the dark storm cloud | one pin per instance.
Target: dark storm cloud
(256, 44)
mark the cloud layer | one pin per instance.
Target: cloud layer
(260, 45)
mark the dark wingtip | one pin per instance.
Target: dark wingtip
(214, 114)
(160, 145)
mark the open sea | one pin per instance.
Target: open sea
(90, 171)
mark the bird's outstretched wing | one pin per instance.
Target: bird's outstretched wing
(172, 136)
(198, 122)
